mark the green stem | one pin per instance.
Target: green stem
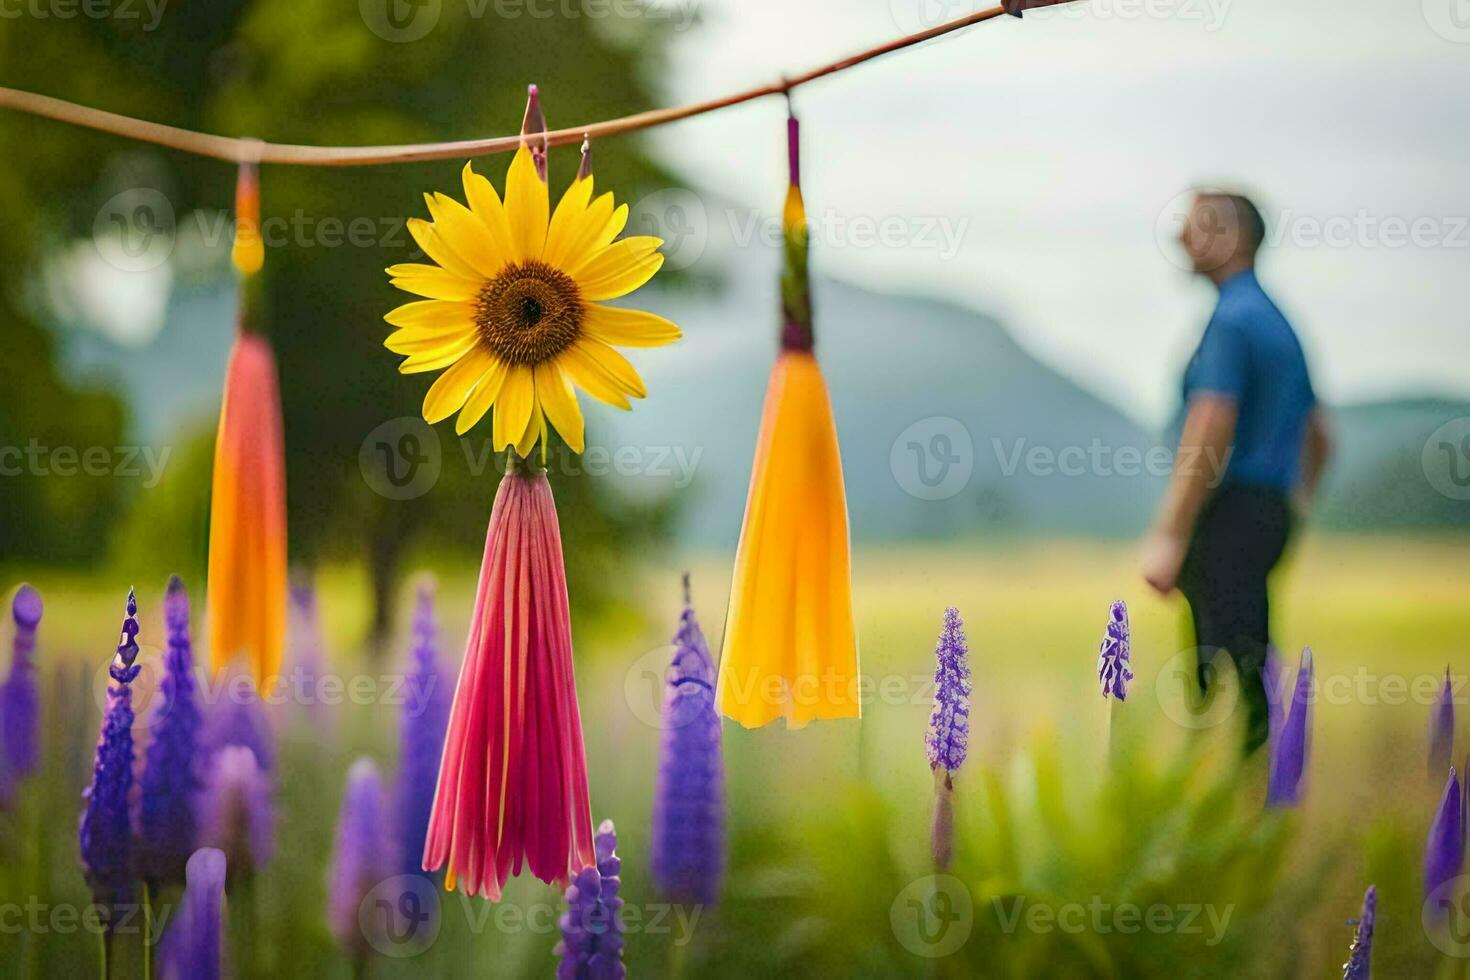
(147, 930)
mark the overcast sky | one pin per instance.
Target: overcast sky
(1031, 168)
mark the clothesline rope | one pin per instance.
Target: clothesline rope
(244, 150)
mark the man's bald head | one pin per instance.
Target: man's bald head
(1223, 233)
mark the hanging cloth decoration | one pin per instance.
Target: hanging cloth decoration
(246, 590)
(790, 649)
(512, 313)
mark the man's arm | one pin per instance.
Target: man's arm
(1316, 451)
(1204, 451)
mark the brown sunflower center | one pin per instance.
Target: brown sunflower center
(529, 313)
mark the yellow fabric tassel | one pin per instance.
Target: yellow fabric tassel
(790, 648)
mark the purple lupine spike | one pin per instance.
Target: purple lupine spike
(236, 813)
(20, 704)
(1444, 851)
(948, 738)
(1442, 729)
(168, 826)
(362, 857)
(308, 650)
(238, 717)
(1114, 657)
(1289, 752)
(193, 947)
(591, 946)
(1360, 958)
(420, 736)
(689, 804)
(106, 829)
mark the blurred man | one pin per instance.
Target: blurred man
(1253, 447)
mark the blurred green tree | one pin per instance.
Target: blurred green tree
(308, 71)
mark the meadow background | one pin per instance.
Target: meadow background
(1052, 317)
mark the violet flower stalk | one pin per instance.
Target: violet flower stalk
(1442, 729)
(948, 737)
(236, 814)
(193, 947)
(20, 711)
(1360, 958)
(307, 651)
(168, 828)
(362, 857)
(1114, 664)
(1289, 751)
(1444, 851)
(591, 946)
(689, 805)
(106, 828)
(238, 718)
(420, 737)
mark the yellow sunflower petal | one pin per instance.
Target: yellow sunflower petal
(431, 313)
(434, 246)
(625, 280)
(482, 398)
(535, 428)
(615, 365)
(592, 231)
(617, 258)
(432, 282)
(589, 375)
(450, 390)
(566, 221)
(468, 237)
(527, 207)
(426, 341)
(513, 407)
(558, 400)
(434, 360)
(485, 204)
(628, 328)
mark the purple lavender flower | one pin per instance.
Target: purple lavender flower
(591, 946)
(106, 830)
(1444, 851)
(20, 714)
(689, 805)
(1114, 667)
(193, 947)
(1442, 729)
(362, 857)
(307, 650)
(236, 813)
(238, 718)
(1289, 751)
(948, 738)
(420, 737)
(167, 824)
(1360, 958)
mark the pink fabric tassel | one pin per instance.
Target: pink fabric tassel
(513, 779)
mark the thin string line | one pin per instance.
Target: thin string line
(255, 151)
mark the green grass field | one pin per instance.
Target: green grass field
(829, 825)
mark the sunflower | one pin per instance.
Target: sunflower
(513, 310)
